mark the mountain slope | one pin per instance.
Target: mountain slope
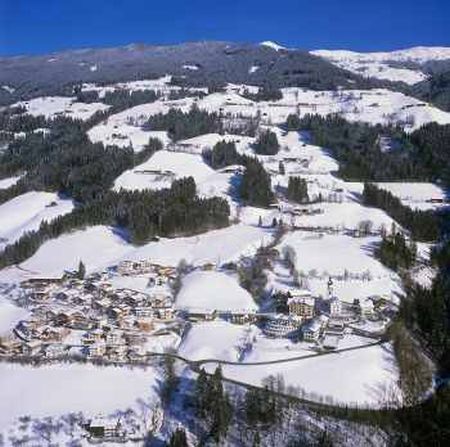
(196, 63)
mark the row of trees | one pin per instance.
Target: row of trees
(181, 125)
(144, 214)
(421, 155)
(264, 93)
(423, 225)
(357, 148)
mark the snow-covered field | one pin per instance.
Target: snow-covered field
(372, 106)
(53, 106)
(218, 246)
(56, 390)
(209, 290)
(417, 195)
(370, 66)
(100, 246)
(325, 254)
(379, 64)
(26, 213)
(124, 129)
(8, 182)
(363, 376)
(162, 168)
(215, 340)
(347, 215)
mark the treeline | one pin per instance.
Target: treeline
(264, 93)
(421, 155)
(143, 214)
(118, 99)
(431, 145)
(181, 125)
(15, 119)
(65, 161)
(422, 225)
(356, 146)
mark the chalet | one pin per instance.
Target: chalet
(101, 428)
(165, 312)
(335, 327)
(92, 337)
(80, 320)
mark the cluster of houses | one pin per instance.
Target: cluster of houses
(93, 318)
(315, 319)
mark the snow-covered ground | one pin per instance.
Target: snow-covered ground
(417, 195)
(335, 254)
(8, 182)
(53, 106)
(26, 213)
(100, 246)
(372, 106)
(379, 64)
(162, 86)
(59, 389)
(371, 66)
(162, 168)
(124, 129)
(363, 376)
(346, 215)
(10, 315)
(216, 340)
(210, 290)
(217, 246)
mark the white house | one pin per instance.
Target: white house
(311, 330)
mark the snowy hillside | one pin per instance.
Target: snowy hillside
(377, 65)
(27, 211)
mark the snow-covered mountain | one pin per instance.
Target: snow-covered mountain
(401, 65)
